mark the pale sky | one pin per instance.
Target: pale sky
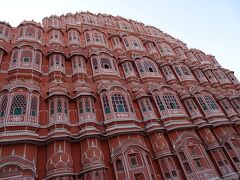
(212, 26)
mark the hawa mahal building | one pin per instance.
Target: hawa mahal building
(97, 97)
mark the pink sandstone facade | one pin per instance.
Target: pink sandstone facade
(96, 97)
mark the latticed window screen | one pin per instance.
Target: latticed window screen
(140, 68)
(87, 105)
(92, 105)
(125, 67)
(159, 103)
(59, 105)
(202, 103)
(105, 63)
(65, 106)
(191, 104)
(236, 104)
(106, 104)
(226, 104)
(94, 63)
(149, 66)
(142, 105)
(80, 106)
(185, 70)
(178, 71)
(19, 104)
(34, 105)
(130, 104)
(211, 103)
(119, 103)
(51, 107)
(3, 105)
(148, 104)
(170, 101)
(199, 73)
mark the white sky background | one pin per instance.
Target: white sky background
(212, 26)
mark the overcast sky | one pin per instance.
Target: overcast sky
(210, 25)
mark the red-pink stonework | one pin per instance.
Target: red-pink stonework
(96, 97)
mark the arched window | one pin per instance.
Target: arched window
(185, 163)
(86, 108)
(58, 110)
(55, 36)
(132, 43)
(194, 160)
(78, 64)
(146, 108)
(212, 79)
(57, 62)
(170, 101)
(116, 43)
(232, 147)
(159, 103)
(95, 38)
(34, 107)
(208, 104)
(119, 103)
(211, 103)
(106, 104)
(128, 69)
(30, 32)
(3, 105)
(18, 105)
(73, 36)
(26, 58)
(147, 68)
(168, 167)
(192, 107)
(200, 76)
(165, 49)
(119, 165)
(104, 64)
(138, 161)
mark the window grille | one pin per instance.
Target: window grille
(105, 63)
(148, 104)
(119, 103)
(170, 101)
(51, 107)
(80, 106)
(59, 105)
(159, 103)
(91, 100)
(94, 62)
(87, 105)
(211, 103)
(3, 106)
(106, 104)
(34, 105)
(65, 106)
(178, 71)
(202, 103)
(185, 70)
(142, 105)
(19, 105)
(140, 68)
(149, 66)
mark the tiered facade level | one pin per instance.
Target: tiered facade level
(95, 97)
